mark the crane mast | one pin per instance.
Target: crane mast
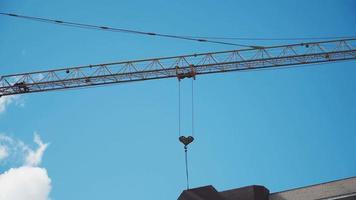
(184, 66)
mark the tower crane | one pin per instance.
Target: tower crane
(184, 66)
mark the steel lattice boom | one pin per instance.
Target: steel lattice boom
(186, 66)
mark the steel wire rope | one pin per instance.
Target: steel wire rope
(107, 28)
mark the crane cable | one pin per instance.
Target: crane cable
(193, 131)
(274, 38)
(179, 110)
(208, 39)
(186, 140)
(130, 31)
(180, 107)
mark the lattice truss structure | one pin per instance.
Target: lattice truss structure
(185, 66)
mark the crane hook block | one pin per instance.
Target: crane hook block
(186, 140)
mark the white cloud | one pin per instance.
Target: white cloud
(3, 153)
(16, 150)
(38, 77)
(28, 182)
(34, 158)
(25, 183)
(5, 138)
(5, 101)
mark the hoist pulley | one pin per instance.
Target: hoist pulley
(187, 73)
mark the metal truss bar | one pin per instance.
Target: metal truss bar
(186, 66)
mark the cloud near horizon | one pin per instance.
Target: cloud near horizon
(29, 181)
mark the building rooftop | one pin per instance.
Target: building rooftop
(344, 189)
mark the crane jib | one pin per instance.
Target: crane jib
(185, 66)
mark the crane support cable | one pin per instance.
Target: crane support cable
(122, 30)
(184, 66)
(274, 38)
(209, 39)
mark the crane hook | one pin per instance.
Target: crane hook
(186, 140)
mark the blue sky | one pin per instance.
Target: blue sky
(278, 128)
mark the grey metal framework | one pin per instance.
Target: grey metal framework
(185, 66)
